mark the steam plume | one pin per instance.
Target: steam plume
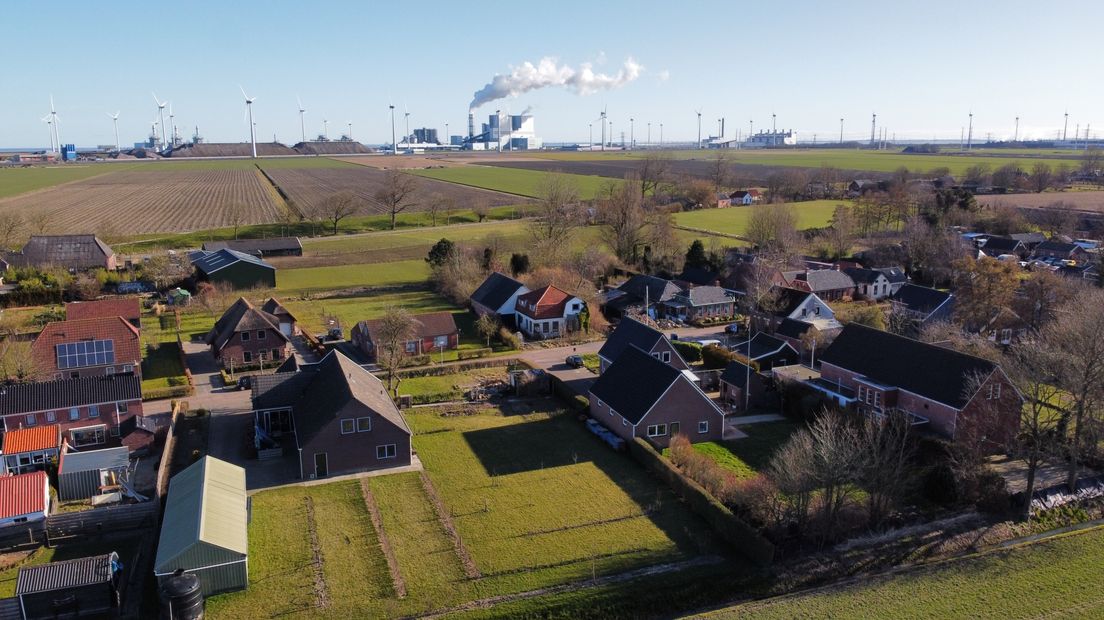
(548, 72)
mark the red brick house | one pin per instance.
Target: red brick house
(339, 414)
(640, 396)
(87, 348)
(547, 312)
(130, 308)
(31, 449)
(88, 411)
(940, 389)
(633, 333)
(1054, 248)
(247, 336)
(436, 331)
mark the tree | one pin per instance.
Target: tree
(396, 328)
(460, 274)
(696, 257)
(519, 264)
(236, 214)
(886, 471)
(931, 251)
(976, 174)
(480, 209)
(1030, 365)
(396, 193)
(16, 361)
(487, 325)
(1008, 175)
(1040, 296)
(10, 225)
(1091, 160)
(868, 315)
(41, 221)
(557, 214)
(434, 207)
(653, 172)
(719, 170)
(440, 252)
(698, 192)
(841, 234)
(773, 227)
(624, 223)
(85, 287)
(1041, 176)
(339, 206)
(982, 287)
(164, 270)
(663, 251)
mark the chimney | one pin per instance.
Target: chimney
(471, 125)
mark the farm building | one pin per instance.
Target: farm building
(74, 252)
(82, 475)
(237, 269)
(29, 449)
(70, 588)
(24, 498)
(273, 246)
(205, 529)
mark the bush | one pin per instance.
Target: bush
(509, 339)
(719, 481)
(992, 493)
(169, 392)
(473, 354)
(414, 360)
(714, 356)
(939, 485)
(690, 351)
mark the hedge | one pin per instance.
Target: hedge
(690, 351)
(473, 353)
(451, 369)
(743, 538)
(169, 392)
(714, 357)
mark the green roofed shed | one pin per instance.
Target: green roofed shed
(205, 529)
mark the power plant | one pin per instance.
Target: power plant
(504, 132)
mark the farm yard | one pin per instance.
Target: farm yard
(481, 522)
(1059, 577)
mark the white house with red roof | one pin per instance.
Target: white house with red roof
(547, 312)
(24, 498)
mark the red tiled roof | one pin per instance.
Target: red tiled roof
(22, 494)
(32, 439)
(127, 307)
(543, 303)
(128, 346)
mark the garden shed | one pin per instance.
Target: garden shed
(84, 474)
(205, 529)
(71, 588)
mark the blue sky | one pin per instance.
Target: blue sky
(921, 66)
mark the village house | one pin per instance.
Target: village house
(723, 200)
(787, 303)
(97, 410)
(767, 351)
(921, 305)
(739, 377)
(272, 246)
(633, 333)
(1060, 250)
(744, 197)
(995, 247)
(245, 335)
(827, 284)
(30, 449)
(870, 283)
(130, 308)
(237, 270)
(434, 332)
(72, 252)
(288, 325)
(26, 498)
(637, 295)
(938, 388)
(497, 296)
(700, 302)
(640, 396)
(86, 348)
(548, 312)
(340, 415)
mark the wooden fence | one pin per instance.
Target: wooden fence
(165, 467)
(77, 525)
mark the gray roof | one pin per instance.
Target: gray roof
(895, 275)
(256, 246)
(1029, 237)
(210, 262)
(496, 290)
(1054, 245)
(826, 280)
(239, 317)
(93, 460)
(207, 505)
(65, 393)
(79, 251)
(67, 574)
(706, 295)
(920, 299)
(762, 345)
(657, 289)
(792, 328)
(629, 332)
(633, 384)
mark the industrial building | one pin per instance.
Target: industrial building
(771, 138)
(504, 132)
(425, 135)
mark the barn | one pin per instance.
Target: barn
(205, 529)
(237, 269)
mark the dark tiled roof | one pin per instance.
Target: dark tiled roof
(895, 275)
(736, 373)
(495, 290)
(634, 383)
(762, 345)
(1030, 237)
(210, 262)
(698, 276)
(276, 309)
(934, 372)
(256, 246)
(826, 280)
(920, 298)
(65, 393)
(79, 251)
(629, 332)
(657, 289)
(66, 574)
(705, 295)
(1001, 245)
(792, 328)
(241, 317)
(787, 300)
(863, 276)
(126, 307)
(429, 325)
(1057, 246)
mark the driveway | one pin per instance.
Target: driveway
(578, 380)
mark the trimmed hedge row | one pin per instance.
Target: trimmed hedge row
(178, 391)
(731, 528)
(452, 369)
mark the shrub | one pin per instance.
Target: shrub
(992, 493)
(719, 481)
(714, 356)
(509, 338)
(472, 354)
(690, 351)
(939, 485)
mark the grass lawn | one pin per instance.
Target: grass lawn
(447, 387)
(592, 362)
(316, 279)
(352, 309)
(193, 320)
(161, 367)
(1056, 578)
(750, 455)
(14, 181)
(509, 180)
(733, 220)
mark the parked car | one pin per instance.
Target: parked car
(574, 361)
(245, 382)
(733, 328)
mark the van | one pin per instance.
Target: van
(707, 342)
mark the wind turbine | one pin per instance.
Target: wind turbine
(406, 114)
(249, 111)
(350, 124)
(326, 129)
(699, 128)
(394, 145)
(161, 110)
(970, 132)
(49, 130)
(115, 117)
(302, 125)
(54, 118)
(172, 127)
(602, 118)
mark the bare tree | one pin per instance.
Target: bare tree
(1040, 296)
(1030, 366)
(16, 361)
(557, 214)
(10, 226)
(791, 470)
(983, 287)
(653, 172)
(624, 223)
(487, 326)
(720, 170)
(887, 471)
(434, 207)
(841, 234)
(773, 227)
(1042, 177)
(236, 215)
(395, 329)
(41, 221)
(396, 193)
(481, 209)
(339, 206)
(85, 287)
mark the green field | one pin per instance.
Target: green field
(733, 220)
(317, 279)
(510, 180)
(353, 309)
(15, 181)
(504, 481)
(1057, 578)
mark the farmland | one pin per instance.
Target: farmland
(1084, 201)
(15, 181)
(308, 187)
(143, 201)
(509, 180)
(500, 479)
(733, 220)
(1056, 578)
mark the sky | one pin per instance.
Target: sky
(922, 67)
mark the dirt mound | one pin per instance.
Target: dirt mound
(231, 149)
(332, 148)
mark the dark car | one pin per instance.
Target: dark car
(734, 328)
(244, 382)
(574, 361)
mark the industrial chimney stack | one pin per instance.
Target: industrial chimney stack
(471, 125)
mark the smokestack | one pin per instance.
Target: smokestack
(471, 125)
(722, 127)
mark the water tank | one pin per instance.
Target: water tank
(181, 597)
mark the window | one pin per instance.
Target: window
(994, 391)
(30, 419)
(244, 336)
(804, 312)
(348, 425)
(613, 411)
(667, 356)
(88, 436)
(657, 430)
(386, 451)
(247, 357)
(128, 368)
(74, 413)
(364, 424)
(85, 353)
(51, 416)
(703, 427)
(121, 408)
(624, 422)
(263, 355)
(261, 335)
(441, 342)
(277, 354)
(93, 411)
(816, 311)
(110, 370)
(411, 346)
(656, 355)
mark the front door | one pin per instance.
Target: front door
(674, 428)
(321, 465)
